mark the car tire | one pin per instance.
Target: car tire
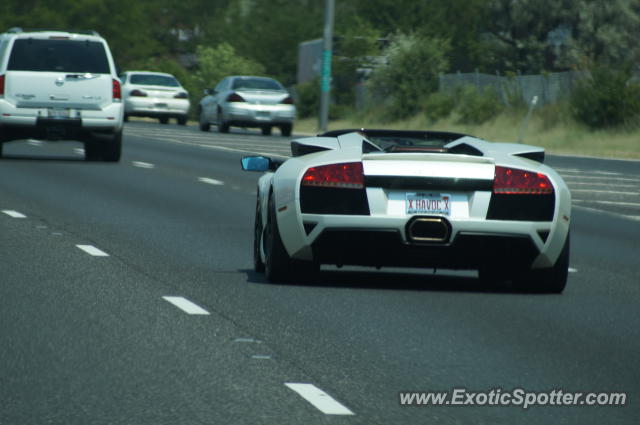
(286, 129)
(258, 265)
(182, 120)
(1, 149)
(164, 120)
(279, 267)
(204, 125)
(223, 126)
(112, 150)
(266, 130)
(551, 280)
(92, 151)
(126, 118)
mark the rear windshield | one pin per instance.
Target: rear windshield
(154, 80)
(29, 54)
(256, 84)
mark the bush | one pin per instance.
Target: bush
(414, 64)
(606, 99)
(438, 106)
(308, 98)
(478, 106)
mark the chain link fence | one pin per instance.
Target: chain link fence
(550, 87)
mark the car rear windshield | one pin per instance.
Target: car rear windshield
(29, 54)
(154, 80)
(256, 84)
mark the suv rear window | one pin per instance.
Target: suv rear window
(30, 54)
(154, 80)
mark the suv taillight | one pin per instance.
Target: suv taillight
(116, 90)
(349, 175)
(513, 181)
(235, 97)
(1, 85)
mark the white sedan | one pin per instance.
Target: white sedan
(412, 199)
(155, 95)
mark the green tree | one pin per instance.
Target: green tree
(215, 63)
(411, 74)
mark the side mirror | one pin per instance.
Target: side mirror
(256, 163)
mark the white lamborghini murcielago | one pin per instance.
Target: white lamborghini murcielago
(412, 199)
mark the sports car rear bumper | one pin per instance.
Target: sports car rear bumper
(385, 247)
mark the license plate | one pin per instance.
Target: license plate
(428, 203)
(265, 115)
(161, 105)
(59, 113)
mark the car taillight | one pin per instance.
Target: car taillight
(1, 85)
(513, 181)
(348, 175)
(235, 97)
(287, 100)
(182, 95)
(116, 89)
(138, 93)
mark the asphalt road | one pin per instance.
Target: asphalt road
(127, 296)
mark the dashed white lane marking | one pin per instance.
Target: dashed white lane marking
(141, 164)
(92, 250)
(320, 400)
(592, 184)
(33, 142)
(14, 214)
(186, 305)
(572, 270)
(583, 172)
(261, 357)
(210, 181)
(79, 151)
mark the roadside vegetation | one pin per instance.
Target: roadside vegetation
(397, 48)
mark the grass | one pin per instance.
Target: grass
(547, 128)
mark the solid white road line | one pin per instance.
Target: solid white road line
(141, 164)
(210, 181)
(572, 270)
(623, 204)
(186, 305)
(614, 192)
(605, 179)
(320, 400)
(14, 214)
(92, 250)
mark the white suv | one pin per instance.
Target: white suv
(59, 85)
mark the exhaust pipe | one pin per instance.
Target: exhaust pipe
(428, 229)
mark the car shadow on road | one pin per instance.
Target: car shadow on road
(393, 280)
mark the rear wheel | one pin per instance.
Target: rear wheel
(279, 267)
(163, 120)
(126, 118)
(223, 127)
(285, 129)
(182, 120)
(202, 123)
(258, 265)
(112, 150)
(266, 130)
(552, 280)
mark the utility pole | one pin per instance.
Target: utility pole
(327, 53)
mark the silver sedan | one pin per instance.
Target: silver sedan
(155, 95)
(247, 101)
